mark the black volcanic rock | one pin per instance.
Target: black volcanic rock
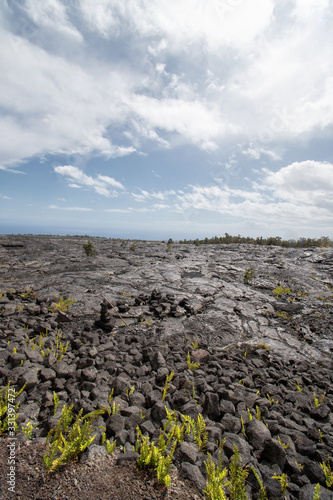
(258, 384)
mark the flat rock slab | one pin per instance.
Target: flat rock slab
(219, 308)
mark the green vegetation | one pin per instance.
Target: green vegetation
(89, 249)
(319, 401)
(59, 348)
(298, 387)
(279, 291)
(166, 386)
(316, 493)
(263, 346)
(154, 457)
(8, 408)
(328, 472)
(28, 429)
(195, 344)
(248, 275)
(283, 483)
(68, 439)
(324, 241)
(285, 446)
(282, 315)
(191, 366)
(216, 480)
(62, 305)
(233, 480)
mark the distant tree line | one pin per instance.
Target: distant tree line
(324, 241)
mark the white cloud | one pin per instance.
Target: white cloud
(117, 210)
(160, 206)
(51, 15)
(203, 73)
(198, 122)
(255, 152)
(182, 23)
(71, 209)
(54, 105)
(11, 170)
(307, 183)
(78, 179)
(145, 195)
(296, 196)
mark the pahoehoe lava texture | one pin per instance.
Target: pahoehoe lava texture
(139, 309)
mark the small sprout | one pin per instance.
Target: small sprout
(282, 315)
(248, 275)
(191, 366)
(320, 436)
(111, 395)
(263, 346)
(243, 428)
(166, 386)
(56, 402)
(328, 472)
(110, 446)
(130, 391)
(195, 344)
(285, 446)
(27, 429)
(298, 387)
(280, 291)
(317, 401)
(283, 483)
(316, 493)
(62, 305)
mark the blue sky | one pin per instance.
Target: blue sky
(180, 119)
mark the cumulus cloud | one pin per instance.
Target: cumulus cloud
(78, 179)
(307, 183)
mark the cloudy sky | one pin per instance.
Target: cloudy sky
(156, 119)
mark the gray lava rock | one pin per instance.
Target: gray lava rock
(193, 473)
(257, 433)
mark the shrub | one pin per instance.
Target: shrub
(89, 249)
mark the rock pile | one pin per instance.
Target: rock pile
(279, 413)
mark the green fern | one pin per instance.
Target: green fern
(166, 386)
(328, 472)
(216, 482)
(238, 476)
(68, 440)
(262, 490)
(283, 483)
(191, 366)
(200, 434)
(8, 408)
(316, 493)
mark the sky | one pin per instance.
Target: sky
(181, 119)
